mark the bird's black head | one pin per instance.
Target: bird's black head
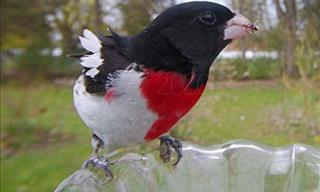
(188, 37)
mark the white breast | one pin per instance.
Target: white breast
(121, 122)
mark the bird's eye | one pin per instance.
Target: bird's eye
(208, 18)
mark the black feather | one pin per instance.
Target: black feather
(114, 59)
(175, 41)
(79, 55)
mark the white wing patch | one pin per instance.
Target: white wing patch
(92, 72)
(89, 35)
(91, 61)
(91, 43)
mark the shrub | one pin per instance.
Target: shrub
(237, 69)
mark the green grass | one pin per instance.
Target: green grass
(270, 115)
(43, 140)
(37, 162)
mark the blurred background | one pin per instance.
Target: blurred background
(265, 87)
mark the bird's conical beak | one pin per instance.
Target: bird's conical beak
(238, 26)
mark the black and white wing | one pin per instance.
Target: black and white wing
(102, 61)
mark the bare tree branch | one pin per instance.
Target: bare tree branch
(279, 10)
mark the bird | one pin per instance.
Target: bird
(134, 89)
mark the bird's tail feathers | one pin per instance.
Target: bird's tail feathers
(92, 44)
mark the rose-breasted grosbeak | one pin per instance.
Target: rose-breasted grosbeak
(134, 89)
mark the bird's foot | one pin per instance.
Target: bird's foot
(101, 163)
(166, 144)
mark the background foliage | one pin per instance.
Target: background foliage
(272, 100)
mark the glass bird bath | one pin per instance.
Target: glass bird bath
(238, 166)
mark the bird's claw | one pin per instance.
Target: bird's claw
(99, 162)
(166, 143)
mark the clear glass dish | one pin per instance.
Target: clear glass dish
(237, 166)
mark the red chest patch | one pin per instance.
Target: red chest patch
(168, 95)
(109, 95)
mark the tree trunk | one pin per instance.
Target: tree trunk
(240, 6)
(98, 17)
(288, 20)
(243, 43)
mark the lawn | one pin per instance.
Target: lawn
(43, 140)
